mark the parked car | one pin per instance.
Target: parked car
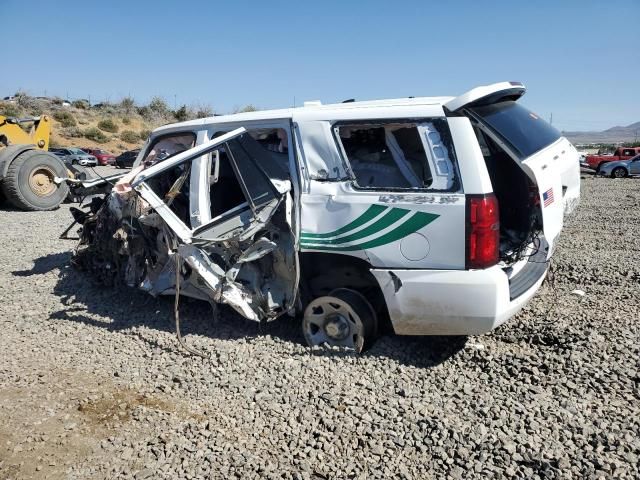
(434, 215)
(621, 168)
(596, 162)
(75, 156)
(126, 159)
(104, 158)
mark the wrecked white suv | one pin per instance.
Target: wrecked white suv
(434, 216)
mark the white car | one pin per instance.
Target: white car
(435, 215)
(75, 156)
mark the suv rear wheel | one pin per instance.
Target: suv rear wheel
(344, 318)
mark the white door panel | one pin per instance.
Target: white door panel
(394, 230)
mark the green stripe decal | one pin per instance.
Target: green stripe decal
(413, 224)
(372, 212)
(389, 218)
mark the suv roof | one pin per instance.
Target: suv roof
(307, 106)
(315, 109)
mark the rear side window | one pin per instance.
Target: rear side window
(525, 131)
(399, 154)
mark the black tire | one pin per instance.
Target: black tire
(619, 172)
(366, 311)
(598, 167)
(359, 321)
(20, 185)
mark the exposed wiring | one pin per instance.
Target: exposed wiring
(176, 313)
(101, 177)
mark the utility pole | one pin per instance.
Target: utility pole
(175, 102)
(551, 119)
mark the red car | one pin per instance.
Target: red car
(104, 158)
(621, 153)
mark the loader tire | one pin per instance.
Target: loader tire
(29, 182)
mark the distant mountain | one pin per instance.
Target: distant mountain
(630, 133)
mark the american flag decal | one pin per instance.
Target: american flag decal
(547, 197)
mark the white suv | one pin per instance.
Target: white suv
(428, 215)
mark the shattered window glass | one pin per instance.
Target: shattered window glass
(168, 146)
(270, 149)
(393, 155)
(173, 185)
(272, 139)
(247, 154)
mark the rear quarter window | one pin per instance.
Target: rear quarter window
(526, 132)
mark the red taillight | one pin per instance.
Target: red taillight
(483, 231)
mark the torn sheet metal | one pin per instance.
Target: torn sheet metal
(246, 258)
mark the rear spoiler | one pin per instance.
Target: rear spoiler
(487, 94)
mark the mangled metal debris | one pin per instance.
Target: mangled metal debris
(136, 235)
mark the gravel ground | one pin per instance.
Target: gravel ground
(92, 384)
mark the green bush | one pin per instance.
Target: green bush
(158, 105)
(72, 132)
(65, 118)
(181, 114)
(127, 104)
(145, 112)
(108, 125)
(248, 108)
(126, 120)
(96, 135)
(144, 134)
(9, 109)
(129, 136)
(81, 104)
(204, 112)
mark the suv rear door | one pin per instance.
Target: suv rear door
(547, 158)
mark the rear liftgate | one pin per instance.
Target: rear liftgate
(540, 166)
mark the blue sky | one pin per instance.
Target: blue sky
(575, 57)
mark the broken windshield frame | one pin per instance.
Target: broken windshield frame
(187, 155)
(270, 194)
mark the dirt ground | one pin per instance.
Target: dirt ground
(93, 385)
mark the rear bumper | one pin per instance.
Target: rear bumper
(456, 302)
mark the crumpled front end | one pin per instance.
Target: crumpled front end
(245, 259)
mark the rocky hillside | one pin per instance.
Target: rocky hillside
(630, 133)
(115, 127)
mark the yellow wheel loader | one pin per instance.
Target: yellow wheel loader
(31, 178)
